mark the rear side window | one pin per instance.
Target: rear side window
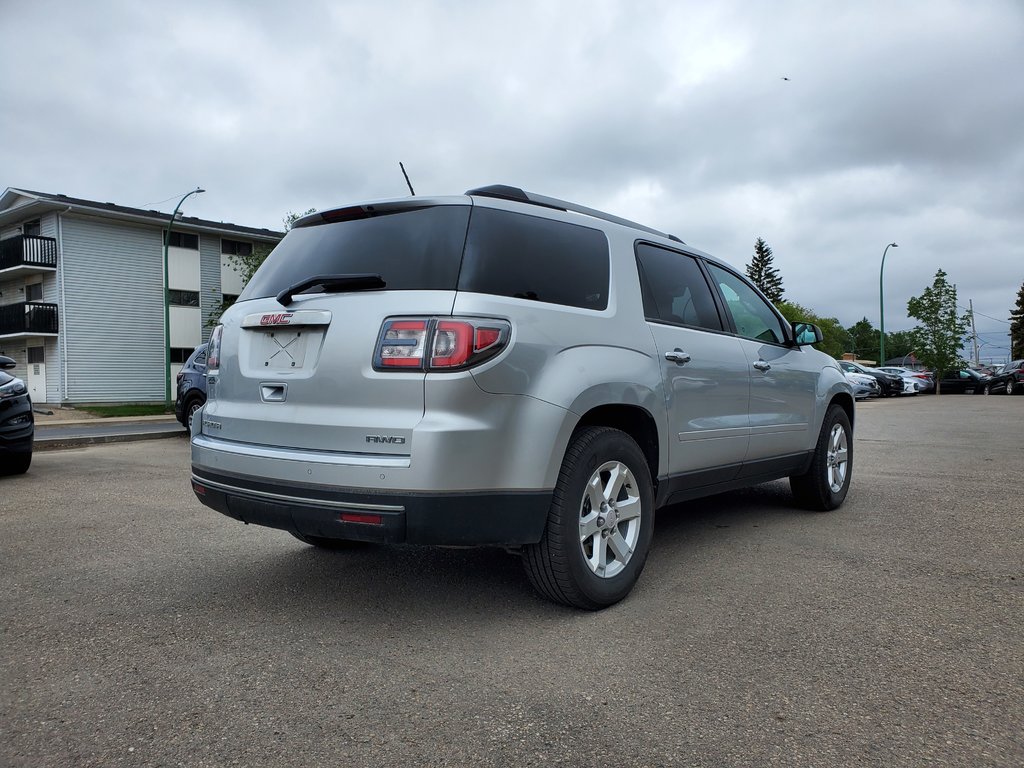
(411, 249)
(674, 289)
(526, 257)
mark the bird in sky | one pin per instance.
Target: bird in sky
(785, 78)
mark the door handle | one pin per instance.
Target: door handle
(762, 366)
(677, 356)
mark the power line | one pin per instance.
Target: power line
(981, 314)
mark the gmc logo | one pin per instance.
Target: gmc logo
(279, 318)
(391, 439)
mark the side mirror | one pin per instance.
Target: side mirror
(6, 362)
(806, 333)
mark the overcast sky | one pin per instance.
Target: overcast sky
(899, 122)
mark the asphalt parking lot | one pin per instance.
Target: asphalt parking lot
(141, 629)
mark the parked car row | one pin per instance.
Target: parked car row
(896, 380)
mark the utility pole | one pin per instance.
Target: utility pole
(974, 333)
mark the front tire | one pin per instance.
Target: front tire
(824, 485)
(1010, 387)
(599, 525)
(17, 464)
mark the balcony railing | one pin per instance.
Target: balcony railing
(28, 251)
(28, 317)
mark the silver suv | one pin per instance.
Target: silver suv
(507, 369)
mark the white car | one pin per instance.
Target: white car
(921, 382)
(864, 386)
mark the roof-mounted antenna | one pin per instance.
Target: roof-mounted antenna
(409, 183)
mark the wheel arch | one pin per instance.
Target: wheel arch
(635, 421)
(846, 402)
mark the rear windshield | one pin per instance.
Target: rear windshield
(417, 249)
(506, 254)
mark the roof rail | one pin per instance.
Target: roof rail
(505, 192)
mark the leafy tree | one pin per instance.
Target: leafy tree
(833, 332)
(247, 264)
(898, 344)
(1017, 326)
(864, 340)
(942, 332)
(763, 274)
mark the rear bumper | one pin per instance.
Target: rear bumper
(477, 518)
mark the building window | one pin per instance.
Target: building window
(235, 247)
(34, 292)
(36, 356)
(31, 228)
(184, 240)
(182, 298)
(179, 355)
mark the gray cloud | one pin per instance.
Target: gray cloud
(899, 121)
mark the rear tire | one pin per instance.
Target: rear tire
(600, 523)
(1011, 388)
(191, 406)
(824, 485)
(17, 464)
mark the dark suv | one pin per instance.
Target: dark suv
(1009, 380)
(191, 387)
(17, 425)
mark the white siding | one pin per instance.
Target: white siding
(183, 269)
(186, 327)
(209, 265)
(113, 313)
(230, 279)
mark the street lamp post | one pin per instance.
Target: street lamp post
(881, 307)
(167, 302)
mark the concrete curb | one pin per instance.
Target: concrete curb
(58, 443)
(40, 424)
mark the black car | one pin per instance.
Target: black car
(962, 382)
(191, 387)
(17, 425)
(889, 384)
(1009, 380)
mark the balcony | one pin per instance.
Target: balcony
(27, 255)
(28, 318)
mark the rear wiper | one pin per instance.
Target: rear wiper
(332, 284)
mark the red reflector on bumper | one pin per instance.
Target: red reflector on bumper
(199, 489)
(361, 517)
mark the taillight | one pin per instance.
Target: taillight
(213, 349)
(401, 345)
(453, 343)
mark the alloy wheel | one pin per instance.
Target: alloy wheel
(609, 522)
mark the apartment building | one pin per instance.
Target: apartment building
(82, 292)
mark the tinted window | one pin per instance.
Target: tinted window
(752, 315)
(411, 249)
(183, 240)
(512, 254)
(674, 289)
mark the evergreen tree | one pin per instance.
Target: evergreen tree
(763, 274)
(942, 332)
(1017, 326)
